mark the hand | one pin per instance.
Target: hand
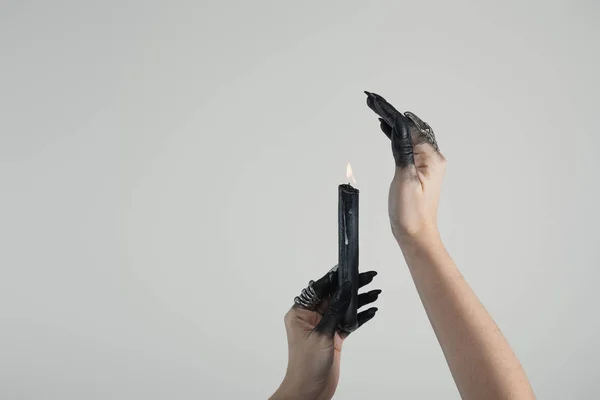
(314, 341)
(420, 167)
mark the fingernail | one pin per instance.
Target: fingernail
(374, 310)
(367, 93)
(373, 273)
(377, 292)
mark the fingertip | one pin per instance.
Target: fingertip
(378, 97)
(366, 316)
(365, 278)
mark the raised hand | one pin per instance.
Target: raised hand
(420, 167)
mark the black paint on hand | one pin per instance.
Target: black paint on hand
(327, 288)
(396, 126)
(335, 313)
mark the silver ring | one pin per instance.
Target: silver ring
(308, 298)
(424, 128)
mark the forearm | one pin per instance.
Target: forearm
(481, 361)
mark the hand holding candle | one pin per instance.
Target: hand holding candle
(481, 362)
(314, 339)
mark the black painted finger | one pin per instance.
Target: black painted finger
(327, 284)
(337, 308)
(366, 316)
(367, 298)
(402, 147)
(366, 277)
(385, 128)
(382, 108)
(362, 318)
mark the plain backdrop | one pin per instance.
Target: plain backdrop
(168, 184)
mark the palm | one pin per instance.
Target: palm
(308, 320)
(321, 358)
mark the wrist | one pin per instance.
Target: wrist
(426, 238)
(425, 234)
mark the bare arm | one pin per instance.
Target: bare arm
(482, 363)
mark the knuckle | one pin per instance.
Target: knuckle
(288, 317)
(442, 160)
(440, 163)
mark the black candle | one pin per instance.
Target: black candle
(348, 249)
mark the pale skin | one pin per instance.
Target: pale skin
(315, 343)
(480, 359)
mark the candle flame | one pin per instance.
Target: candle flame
(349, 174)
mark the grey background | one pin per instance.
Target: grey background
(168, 182)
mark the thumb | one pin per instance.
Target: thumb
(338, 306)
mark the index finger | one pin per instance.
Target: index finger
(327, 284)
